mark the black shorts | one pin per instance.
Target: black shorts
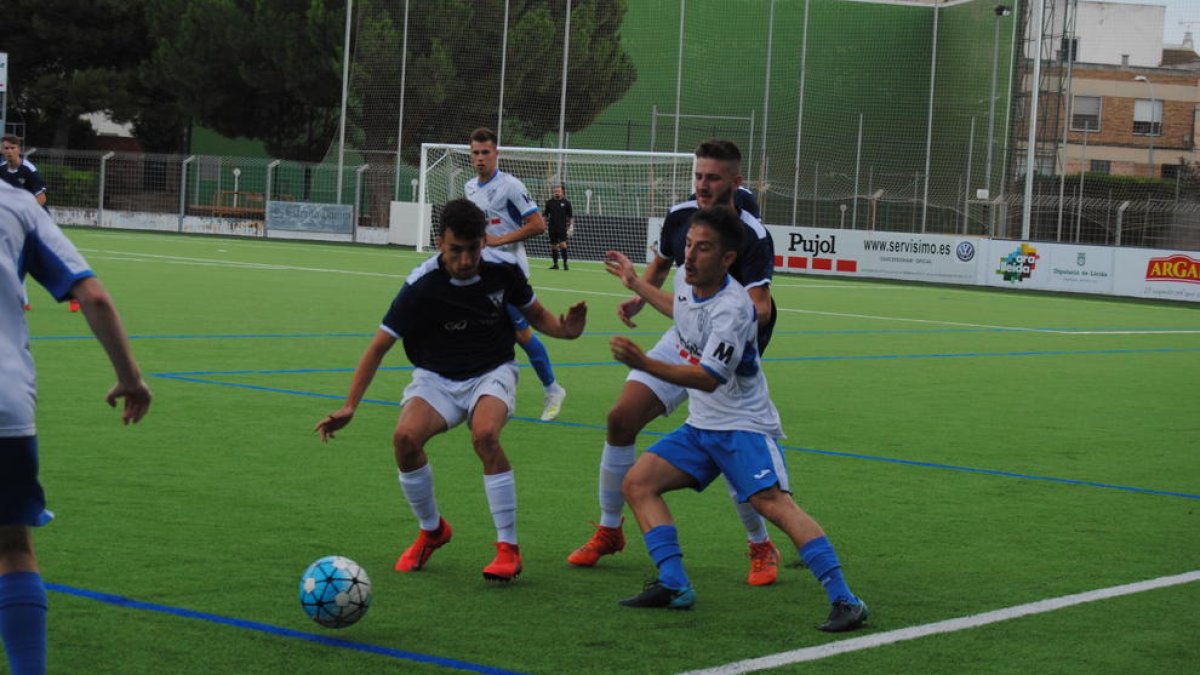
(22, 501)
(557, 234)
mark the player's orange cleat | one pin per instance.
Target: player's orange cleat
(427, 542)
(507, 564)
(74, 305)
(605, 541)
(764, 564)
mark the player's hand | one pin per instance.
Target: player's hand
(628, 352)
(620, 267)
(628, 309)
(137, 400)
(333, 422)
(574, 320)
(492, 240)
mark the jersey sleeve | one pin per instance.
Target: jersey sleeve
(757, 262)
(519, 197)
(50, 258)
(666, 242)
(401, 314)
(570, 212)
(33, 181)
(519, 293)
(726, 341)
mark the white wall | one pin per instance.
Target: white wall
(1106, 30)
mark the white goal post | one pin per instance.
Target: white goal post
(619, 198)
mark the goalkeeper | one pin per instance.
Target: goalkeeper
(561, 225)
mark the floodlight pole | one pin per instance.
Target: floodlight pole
(1000, 11)
(345, 93)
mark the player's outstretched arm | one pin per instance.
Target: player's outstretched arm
(685, 375)
(655, 274)
(566, 326)
(102, 317)
(621, 267)
(368, 365)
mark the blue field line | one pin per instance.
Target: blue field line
(278, 631)
(216, 336)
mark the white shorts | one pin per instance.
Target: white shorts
(667, 351)
(455, 399)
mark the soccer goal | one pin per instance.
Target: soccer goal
(619, 198)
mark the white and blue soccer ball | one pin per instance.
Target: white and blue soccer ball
(335, 591)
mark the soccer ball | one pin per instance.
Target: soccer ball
(335, 592)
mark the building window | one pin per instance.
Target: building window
(1100, 166)
(1147, 117)
(1085, 113)
(1070, 49)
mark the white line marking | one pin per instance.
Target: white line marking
(948, 626)
(1016, 329)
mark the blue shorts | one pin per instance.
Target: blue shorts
(751, 461)
(518, 319)
(22, 501)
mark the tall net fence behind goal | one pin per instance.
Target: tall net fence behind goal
(619, 198)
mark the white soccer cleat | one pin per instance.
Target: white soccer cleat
(554, 400)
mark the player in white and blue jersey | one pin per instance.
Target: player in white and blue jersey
(732, 426)
(513, 217)
(452, 317)
(31, 243)
(644, 397)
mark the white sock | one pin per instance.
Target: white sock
(614, 464)
(418, 490)
(502, 499)
(755, 524)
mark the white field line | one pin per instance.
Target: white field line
(132, 256)
(939, 627)
(875, 317)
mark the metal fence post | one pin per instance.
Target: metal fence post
(268, 190)
(357, 200)
(183, 173)
(103, 168)
(1120, 215)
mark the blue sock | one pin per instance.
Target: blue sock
(539, 358)
(23, 621)
(663, 544)
(822, 561)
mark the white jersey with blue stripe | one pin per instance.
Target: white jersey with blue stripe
(506, 203)
(718, 333)
(31, 243)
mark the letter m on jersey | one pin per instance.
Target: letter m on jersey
(723, 353)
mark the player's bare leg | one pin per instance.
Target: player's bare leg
(636, 407)
(418, 423)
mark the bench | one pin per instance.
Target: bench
(243, 205)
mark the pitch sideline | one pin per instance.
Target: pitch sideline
(948, 626)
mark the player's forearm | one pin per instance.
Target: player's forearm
(690, 376)
(761, 297)
(364, 373)
(657, 297)
(547, 323)
(101, 314)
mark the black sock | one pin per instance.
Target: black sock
(564, 255)
(554, 255)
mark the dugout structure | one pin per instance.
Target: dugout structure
(619, 198)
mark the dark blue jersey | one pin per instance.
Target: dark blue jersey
(755, 263)
(459, 329)
(25, 176)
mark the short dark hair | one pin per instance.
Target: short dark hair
(10, 138)
(725, 222)
(462, 217)
(483, 135)
(721, 149)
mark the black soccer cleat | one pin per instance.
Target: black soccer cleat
(657, 595)
(845, 617)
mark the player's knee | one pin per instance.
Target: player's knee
(624, 423)
(485, 439)
(15, 544)
(406, 443)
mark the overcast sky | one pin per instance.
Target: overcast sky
(1177, 10)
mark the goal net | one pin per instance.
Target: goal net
(619, 198)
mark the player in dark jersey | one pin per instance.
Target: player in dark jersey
(451, 316)
(644, 397)
(560, 220)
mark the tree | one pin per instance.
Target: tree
(454, 69)
(263, 69)
(68, 58)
